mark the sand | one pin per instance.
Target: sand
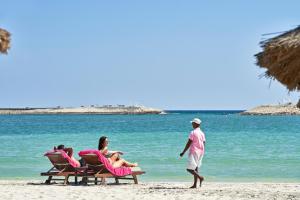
(210, 190)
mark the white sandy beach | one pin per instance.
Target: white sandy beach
(210, 190)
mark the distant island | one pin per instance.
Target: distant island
(281, 109)
(107, 109)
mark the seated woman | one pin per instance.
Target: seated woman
(69, 152)
(113, 156)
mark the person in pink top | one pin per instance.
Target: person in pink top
(196, 144)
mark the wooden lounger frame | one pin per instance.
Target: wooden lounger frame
(95, 167)
(61, 168)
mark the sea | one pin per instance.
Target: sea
(238, 148)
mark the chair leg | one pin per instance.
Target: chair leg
(48, 181)
(83, 180)
(103, 181)
(96, 180)
(66, 179)
(117, 180)
(135, 179)
(76, 181)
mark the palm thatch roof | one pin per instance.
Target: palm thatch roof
(4, 41)
(281, 58)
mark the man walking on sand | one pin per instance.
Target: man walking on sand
(196, 144)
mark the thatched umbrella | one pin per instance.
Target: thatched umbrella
(4, 41)
(281, 58)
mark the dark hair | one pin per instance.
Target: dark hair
(61, 146)
(101, 142)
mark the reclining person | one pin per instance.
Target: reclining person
(113, 156)
(69, 152)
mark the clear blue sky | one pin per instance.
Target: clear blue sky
(165, 54)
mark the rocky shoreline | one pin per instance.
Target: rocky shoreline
(82, 110)
(282, 109)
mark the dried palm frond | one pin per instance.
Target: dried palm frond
(281, 58)
(4, 41)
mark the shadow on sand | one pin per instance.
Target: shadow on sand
(167, 188)
(73, 184)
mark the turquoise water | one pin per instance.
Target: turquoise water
(238, 148)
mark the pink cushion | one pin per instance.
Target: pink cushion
(119, 171)
(71, 161)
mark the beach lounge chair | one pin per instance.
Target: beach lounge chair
(63, 166)
(101, 168)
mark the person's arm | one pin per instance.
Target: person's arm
(112, 152)
(69, 151)
(104, 151)
(187, 146)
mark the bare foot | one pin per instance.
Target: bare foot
(132, 165)
(135, 164)
(201, 180)
(193, 186)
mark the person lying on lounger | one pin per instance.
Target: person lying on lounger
(68, 150)
(113, 156)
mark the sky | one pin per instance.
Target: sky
(163, 54)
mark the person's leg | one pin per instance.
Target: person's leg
(192, 167)
(129, 164)
(200, 176)
(114, 157)
(195, 182)
(196, 176)
(122, 162)
(118, 163)
(199, 165)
